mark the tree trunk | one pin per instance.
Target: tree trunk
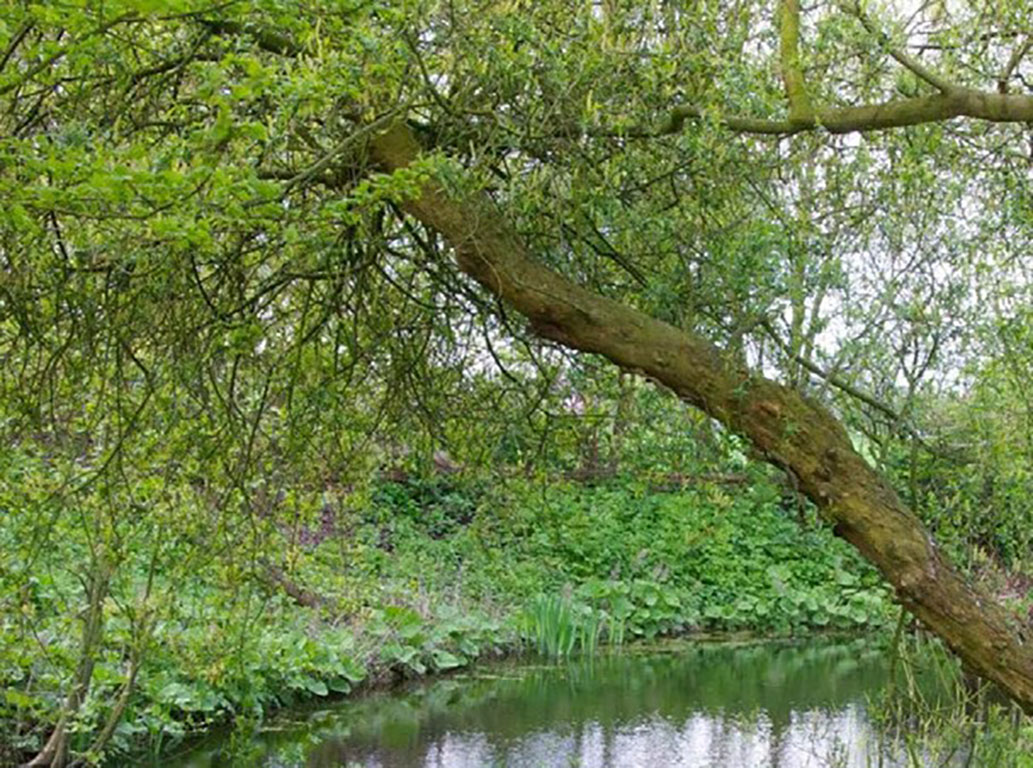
(788, 429)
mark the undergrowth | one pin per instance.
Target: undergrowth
(405, 579)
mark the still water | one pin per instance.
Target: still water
(697, 706)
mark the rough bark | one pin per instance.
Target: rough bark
(800, 109)
(957, 102)
(788, 429)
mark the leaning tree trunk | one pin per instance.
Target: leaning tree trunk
(790, 430)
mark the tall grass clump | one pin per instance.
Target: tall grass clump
(558, 627)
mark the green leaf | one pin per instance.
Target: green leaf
(315, 686)
(444, 660)
(19, 698)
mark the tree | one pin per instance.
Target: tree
(787, 429)
(611, 184)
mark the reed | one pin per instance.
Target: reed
(558, 628)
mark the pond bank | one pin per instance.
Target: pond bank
(387, 681)
(683, 703)
(424, 577)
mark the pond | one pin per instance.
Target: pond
(700, 706)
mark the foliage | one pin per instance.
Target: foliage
(563, 565)
(414, 645)
(933, 712)
(975, 493)
(228, 357)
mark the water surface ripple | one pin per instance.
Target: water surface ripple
(690, 706)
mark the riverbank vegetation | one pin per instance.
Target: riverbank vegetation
(348, 341)
(419, 575)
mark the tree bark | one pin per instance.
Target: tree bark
(788, 429)
(957, 102)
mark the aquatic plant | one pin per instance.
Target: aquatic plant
(558, 627)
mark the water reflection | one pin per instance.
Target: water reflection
(812, 738)
(699, 707)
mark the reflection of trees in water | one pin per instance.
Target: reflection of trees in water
(761, 705)
(780, 706)
(825, 738)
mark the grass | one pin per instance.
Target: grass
(558, 627)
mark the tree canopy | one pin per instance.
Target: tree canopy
(273, 229)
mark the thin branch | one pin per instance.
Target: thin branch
(831, 378)
(908, 62)
(19, 36)
(169, 66)
(115, 715)
(267, 39)
(319, 170)
(1013, 63)
(60, 54)
(607, 251)
(427, 80)
(323, 163)
(846, 387)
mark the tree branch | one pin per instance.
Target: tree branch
(908, 62)
(849, 389)
(831, 378)
(267, 39)
(16, 40)
(1013, 63)
(64, 51)
(788, 429)
(960, 102)
(953, 101)
(800, 109)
